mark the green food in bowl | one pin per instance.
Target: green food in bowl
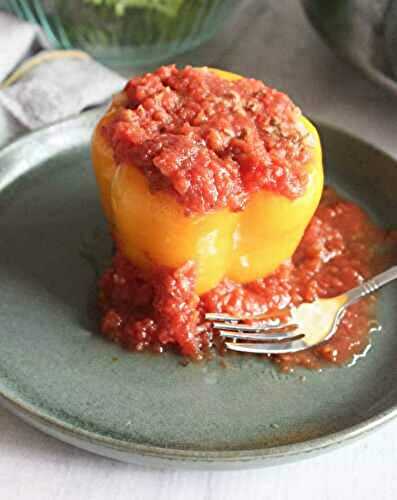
(127, 32)
(169, 7)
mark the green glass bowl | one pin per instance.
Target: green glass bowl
(125, 33)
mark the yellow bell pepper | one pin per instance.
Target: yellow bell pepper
(153, 230)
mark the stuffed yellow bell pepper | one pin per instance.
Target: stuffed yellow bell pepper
(152, 229)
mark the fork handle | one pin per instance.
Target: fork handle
(371, 285)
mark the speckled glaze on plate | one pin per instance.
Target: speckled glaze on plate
(57, 374)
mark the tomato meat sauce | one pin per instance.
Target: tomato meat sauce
(340, 248)
(208, 141)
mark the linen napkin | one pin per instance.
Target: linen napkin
(48, 87)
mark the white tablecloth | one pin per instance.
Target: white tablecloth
(274, 43)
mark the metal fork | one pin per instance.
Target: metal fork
(310, 324)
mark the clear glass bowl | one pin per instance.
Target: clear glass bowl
(126, 32)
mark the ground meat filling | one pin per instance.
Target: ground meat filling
(208, 141)
(340, 248)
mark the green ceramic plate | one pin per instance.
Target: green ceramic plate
(57, 374)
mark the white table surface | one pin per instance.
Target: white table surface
(274, 43)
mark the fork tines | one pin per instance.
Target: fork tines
(269, 330)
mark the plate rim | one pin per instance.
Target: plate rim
(116, 448)
(156, 455)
